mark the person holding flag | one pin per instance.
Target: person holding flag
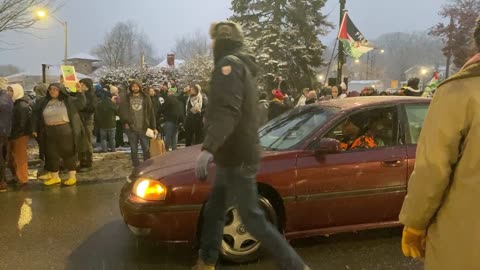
(431, 86)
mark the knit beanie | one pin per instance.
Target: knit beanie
(278, 94)
(226, 30)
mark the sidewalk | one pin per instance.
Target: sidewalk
(106, 166)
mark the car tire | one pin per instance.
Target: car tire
(249, 249)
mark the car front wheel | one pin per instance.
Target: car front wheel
(238, 245)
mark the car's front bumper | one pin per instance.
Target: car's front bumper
(168, 223)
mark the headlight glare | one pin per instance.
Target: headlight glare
(150, 190)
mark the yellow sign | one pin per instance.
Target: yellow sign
(394, 84)
(69, 77)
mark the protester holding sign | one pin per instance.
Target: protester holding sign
(59, 114)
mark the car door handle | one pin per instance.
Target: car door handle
(392, 163)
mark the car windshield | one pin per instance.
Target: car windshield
(292, 128)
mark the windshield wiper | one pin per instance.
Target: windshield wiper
(287, 133)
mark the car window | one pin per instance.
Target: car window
(416, 114)
(292, 128)
(367, 129)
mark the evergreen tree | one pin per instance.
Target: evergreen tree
(197, 70)
(284, 36)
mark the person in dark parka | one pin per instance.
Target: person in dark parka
(6, 116)
(85, 154)
(231, 139)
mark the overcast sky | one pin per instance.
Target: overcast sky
(165, 20)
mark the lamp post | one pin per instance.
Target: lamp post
(42, 14)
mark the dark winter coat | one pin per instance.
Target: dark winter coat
(408, 91)
(156, 105)
(86, 114)
(172, 110)
(183, 98)
(276, 109)
(263, 107)
(6, 114)
(310, 101)
(105, 114)
(73, 104)
(231, 121)
(126, 114)
(22, 118)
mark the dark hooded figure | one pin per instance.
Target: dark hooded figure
(231, 139)
(40, 94)
(6, 117)
(59, 118)
(412, 88)
(85, 151)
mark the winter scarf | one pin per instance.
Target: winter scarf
(196, 101)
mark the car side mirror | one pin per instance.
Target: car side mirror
(328, 146)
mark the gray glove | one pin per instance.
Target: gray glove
(201, 170)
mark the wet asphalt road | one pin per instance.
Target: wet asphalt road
(80, 228)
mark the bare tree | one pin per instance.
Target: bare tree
(191, 45)
(123, 45)
(404, 50)
(457, 34)
(19, 14)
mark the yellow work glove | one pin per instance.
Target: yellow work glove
(413, 243)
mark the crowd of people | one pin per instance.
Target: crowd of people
(64, 121)
(281, 101)
(106, 112)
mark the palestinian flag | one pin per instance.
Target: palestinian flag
(353, 41)
(431, 86)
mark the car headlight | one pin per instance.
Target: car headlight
(150, 190)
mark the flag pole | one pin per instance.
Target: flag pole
(341, 53)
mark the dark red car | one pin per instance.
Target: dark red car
(308, 185)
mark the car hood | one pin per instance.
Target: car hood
(178, 162)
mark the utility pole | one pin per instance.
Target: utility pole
(142, 64)
(368, 66)
(341, 53)
(451, 29)
(65, 30)
(44, 73)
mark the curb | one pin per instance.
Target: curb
(36, 185)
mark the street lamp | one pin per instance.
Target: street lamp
(424, 72)
(357, 61)
(41, 13)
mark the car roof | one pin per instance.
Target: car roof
(357, 102)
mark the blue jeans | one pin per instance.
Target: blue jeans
(171, 135)
(134, 137)
(108, 134)
(237, 186)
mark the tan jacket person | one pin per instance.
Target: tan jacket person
(443, 198)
